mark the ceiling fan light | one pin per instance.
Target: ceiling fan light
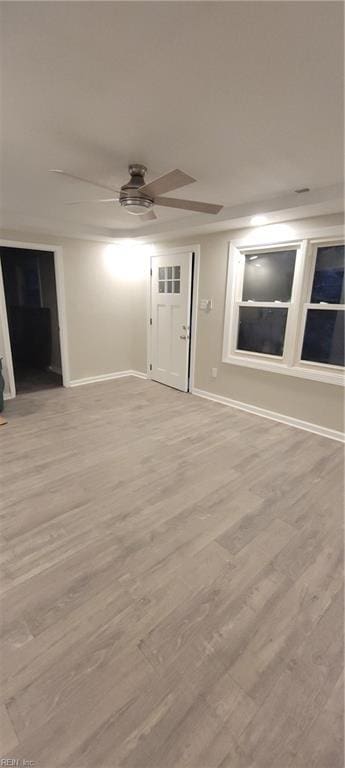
(136, 206)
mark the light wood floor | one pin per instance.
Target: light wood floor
(171, 581)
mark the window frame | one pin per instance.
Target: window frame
(290, 363)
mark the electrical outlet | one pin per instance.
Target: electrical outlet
(214, 372)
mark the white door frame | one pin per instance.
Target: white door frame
(194, 315)
(61, 307)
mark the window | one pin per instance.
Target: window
(328, 280)
(169, 279)
(274, 280)
(285, 309)
(265, 301)
(262, 329)
(323, 340)
(324, 337)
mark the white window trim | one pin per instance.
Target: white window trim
(290, 363)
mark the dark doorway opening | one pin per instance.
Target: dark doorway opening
(32, 313)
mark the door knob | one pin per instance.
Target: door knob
(183, 337)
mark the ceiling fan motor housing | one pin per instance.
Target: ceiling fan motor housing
(130, 197)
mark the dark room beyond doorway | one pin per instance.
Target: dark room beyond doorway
(32, 313)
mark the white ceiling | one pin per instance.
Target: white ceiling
(247, 97)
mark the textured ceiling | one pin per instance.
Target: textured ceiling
(246, 97)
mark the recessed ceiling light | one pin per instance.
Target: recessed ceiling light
(259, 219)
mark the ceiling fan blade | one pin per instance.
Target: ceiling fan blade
(80, 178)
(149, 216)
(168, 182)
(98, 200)
(188, 205)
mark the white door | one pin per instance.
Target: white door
(171, 285)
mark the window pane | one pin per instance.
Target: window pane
(324, 336)
(177, 272)
(269, 276)
(169, 271)
(161, 273)
(161, 286)
(169, 286)
(262, 329)
(177, 286)
(328, 282)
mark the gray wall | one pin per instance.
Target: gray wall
(106, 308)
(101, 288)
(312, 401)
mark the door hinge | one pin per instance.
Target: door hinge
(150, 366)
(150, 320)
(151, 271)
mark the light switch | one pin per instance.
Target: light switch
(206, 304)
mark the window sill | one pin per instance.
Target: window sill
(302, 372)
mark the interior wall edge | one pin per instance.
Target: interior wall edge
(107, 377)
(317, 429)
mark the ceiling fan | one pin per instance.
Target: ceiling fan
(138, 197)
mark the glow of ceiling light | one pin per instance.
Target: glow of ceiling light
(272, 233)
(127, 260)
(251, 258)
(258, 220)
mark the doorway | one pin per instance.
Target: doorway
(173, 301)
(32, 317)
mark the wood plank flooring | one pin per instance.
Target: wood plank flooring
(171, 584)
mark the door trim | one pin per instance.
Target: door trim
(61, 307)
(7, 343)
(195, 298)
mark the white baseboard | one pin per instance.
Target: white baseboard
(139, 374)
(106, 377)
(333, 434)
